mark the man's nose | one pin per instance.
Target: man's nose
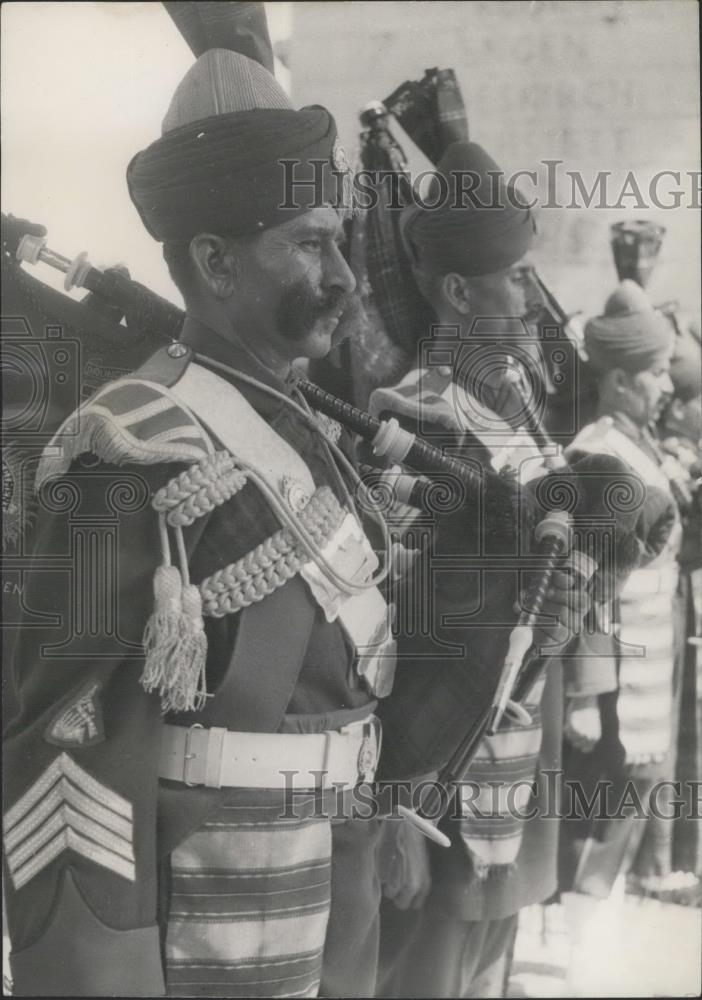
(337, 273)
(666, 384)
(533, 294)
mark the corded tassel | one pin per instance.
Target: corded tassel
(174, 639)
(163, 630)
(186, 683)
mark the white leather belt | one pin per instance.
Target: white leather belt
(218, 758)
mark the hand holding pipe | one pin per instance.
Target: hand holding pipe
(553, 535)
(584, 568)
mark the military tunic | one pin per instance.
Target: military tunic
(84, 719)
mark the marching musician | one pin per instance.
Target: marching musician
(450, 914)
(214, 668)
(629, 350)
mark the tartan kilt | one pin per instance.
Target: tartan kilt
(249, 902)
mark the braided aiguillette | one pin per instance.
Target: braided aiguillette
(273, 562)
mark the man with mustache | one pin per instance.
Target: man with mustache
(174, 764)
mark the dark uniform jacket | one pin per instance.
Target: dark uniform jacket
(82, 749)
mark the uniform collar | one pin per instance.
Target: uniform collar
(641, 436)
(626, 425)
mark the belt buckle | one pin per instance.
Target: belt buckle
(187, 756)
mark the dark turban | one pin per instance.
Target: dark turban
(218, 166)
(224, 174)
(631, 334)
(470, 221)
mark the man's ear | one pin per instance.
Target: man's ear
(618, 379)
(454, 289)
(215, 262)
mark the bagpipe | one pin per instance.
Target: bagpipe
(547, 516)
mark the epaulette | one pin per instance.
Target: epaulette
(134, 419)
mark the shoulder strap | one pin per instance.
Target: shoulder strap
(246, 435)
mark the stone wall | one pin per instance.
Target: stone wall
(602, 86)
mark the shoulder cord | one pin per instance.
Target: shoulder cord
(272, 563)
(295, 526)
(299, 531)
(195, 492)
(303, 410)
